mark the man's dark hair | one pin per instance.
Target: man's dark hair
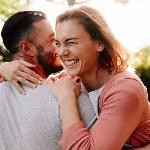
(18, 27)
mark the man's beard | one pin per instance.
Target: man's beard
(47, 61)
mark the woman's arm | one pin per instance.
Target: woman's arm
(18, 72)
(119, 117)
(60, 90)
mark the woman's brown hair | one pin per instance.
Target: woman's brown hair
(114, 57)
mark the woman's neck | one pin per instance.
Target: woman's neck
(95, 80)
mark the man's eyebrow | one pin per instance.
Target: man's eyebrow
(52, 35)
(56, 41)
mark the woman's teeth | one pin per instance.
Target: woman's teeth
(70, 62)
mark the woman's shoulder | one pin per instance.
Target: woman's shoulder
(124, 89)
(124, 83)
(125, 75)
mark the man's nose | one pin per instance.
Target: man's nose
(53, 48)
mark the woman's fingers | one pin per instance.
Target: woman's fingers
(30, 78)
(52, 77)
(24, 81)
(61, 74)
(29, 75)
(11, 69)
(20, 70)
(57, 76)
(25, 67)
(18, 87)
(65, 84)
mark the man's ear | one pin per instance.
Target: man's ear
(100, 46)
(26, 48)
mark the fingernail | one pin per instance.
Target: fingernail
(23, 92)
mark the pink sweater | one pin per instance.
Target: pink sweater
(124, 118)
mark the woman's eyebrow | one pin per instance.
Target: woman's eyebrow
(71, 39)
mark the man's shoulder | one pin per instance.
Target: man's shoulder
(42, 89)
(6, 88)
(4, 93)
(5, 85)
(40, 95)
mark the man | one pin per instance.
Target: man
(31, 121)
(39, 49)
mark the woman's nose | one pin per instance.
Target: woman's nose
(62, 51)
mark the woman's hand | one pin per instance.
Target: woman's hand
(66, 90)
(56, 76)
(64, 87)
(18, 72)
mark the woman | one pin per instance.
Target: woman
(88, 49)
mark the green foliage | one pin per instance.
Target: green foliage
(8, 7)
(142, 66)
(5, 55)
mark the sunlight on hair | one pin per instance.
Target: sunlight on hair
(129, 22)
(51, 9)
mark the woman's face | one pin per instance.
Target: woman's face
(76, 49)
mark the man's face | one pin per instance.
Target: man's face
(43, 41)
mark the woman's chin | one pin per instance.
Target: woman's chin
(72, 72)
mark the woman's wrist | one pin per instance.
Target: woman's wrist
(69, 112)
(64, 98)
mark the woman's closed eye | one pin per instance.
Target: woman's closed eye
(71, 43)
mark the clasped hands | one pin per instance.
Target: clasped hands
(62, 85)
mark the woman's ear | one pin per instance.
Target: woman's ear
(100, 46)
(25, 47)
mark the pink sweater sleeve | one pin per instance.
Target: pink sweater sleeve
(121, 109)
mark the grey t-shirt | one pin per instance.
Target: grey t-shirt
(31, 121)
